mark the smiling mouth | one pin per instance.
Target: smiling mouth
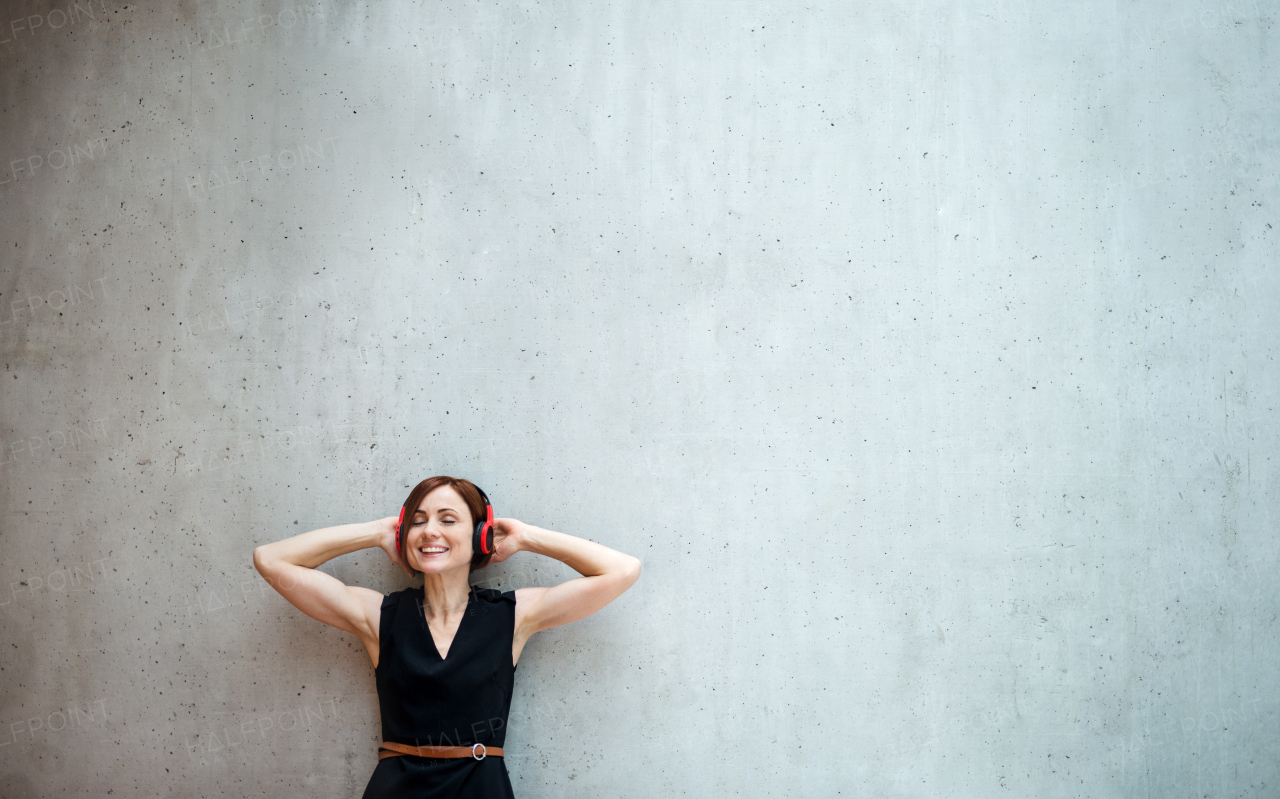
(432, 551)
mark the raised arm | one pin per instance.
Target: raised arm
(606, 573)
(289, 566)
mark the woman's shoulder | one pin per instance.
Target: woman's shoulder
(493, 596)
(394, 598)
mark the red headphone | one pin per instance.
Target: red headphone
(481, 538)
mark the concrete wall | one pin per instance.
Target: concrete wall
(924, 353)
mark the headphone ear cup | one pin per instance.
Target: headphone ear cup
(399, 527)
(482, 540)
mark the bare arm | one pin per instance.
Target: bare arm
(606, 573)
(289, 566)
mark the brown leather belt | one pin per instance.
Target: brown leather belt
(478, 751)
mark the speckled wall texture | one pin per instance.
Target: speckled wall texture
(920, 351)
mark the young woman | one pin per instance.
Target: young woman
(445, 654)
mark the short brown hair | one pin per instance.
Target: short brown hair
(470, 495)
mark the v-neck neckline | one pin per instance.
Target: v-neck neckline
(465, 613)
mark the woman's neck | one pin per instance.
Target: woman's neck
(445, 594)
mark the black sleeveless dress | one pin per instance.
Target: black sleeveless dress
(459, 700)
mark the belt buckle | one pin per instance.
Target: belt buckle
(484, 751)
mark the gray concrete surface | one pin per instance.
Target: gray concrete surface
(921, 352)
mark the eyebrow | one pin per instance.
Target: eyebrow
(442, 510)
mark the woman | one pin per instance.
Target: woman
(445, 654)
